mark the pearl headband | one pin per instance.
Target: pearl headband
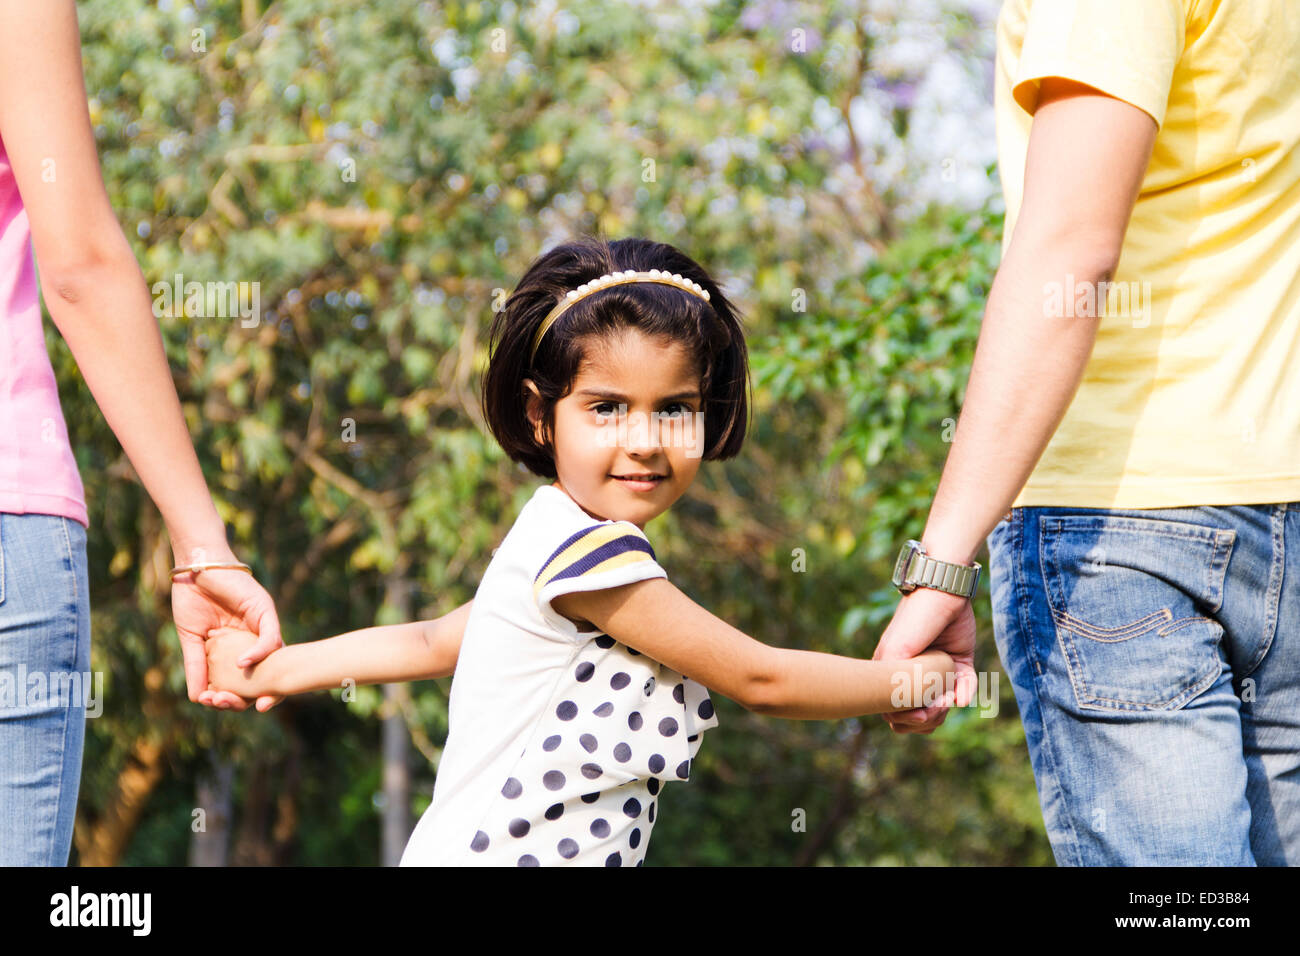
(604, 282)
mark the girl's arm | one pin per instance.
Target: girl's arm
(657, 619)
(421, 650)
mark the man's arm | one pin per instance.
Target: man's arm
(1087, 156)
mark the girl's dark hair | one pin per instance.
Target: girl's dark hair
(711, 331)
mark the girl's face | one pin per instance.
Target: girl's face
(658, 432)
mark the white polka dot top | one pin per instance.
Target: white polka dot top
(560, 740)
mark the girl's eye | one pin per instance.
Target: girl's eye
(675, 410)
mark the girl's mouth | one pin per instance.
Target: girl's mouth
(640, 482)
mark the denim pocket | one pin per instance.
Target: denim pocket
(1130, 599)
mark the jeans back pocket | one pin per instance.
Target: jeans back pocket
(1131, 600)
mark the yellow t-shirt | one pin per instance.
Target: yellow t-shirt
(1192, 393)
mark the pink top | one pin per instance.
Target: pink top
(37, 471)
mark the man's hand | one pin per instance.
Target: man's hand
(927, 618)
(224, 597)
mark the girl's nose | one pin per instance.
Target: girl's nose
(643, 434)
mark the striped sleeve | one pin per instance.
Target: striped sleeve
(594, 558)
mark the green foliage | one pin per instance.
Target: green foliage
(382, 172)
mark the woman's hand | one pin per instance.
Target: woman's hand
(224, 597)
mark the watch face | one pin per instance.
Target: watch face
(900, 566)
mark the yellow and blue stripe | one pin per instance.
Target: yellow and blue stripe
(595, 550)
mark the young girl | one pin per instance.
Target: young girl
(615, 367)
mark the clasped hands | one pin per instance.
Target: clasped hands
(219, 604)
(928, 618)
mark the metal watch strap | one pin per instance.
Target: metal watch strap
(916, 569)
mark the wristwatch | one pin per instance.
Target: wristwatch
(915, 569)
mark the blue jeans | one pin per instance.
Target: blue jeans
(44, 639)
(1155, 657)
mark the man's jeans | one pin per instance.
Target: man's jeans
(1155, 656)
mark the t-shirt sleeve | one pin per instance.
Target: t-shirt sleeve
(597, 557)
(1125, 48)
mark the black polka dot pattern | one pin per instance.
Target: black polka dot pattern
(585, 790)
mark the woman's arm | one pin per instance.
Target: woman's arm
(657, 619)
(421, 650)
(96, 295)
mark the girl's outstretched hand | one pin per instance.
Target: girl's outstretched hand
(928, 618)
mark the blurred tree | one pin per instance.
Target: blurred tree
(381, 175)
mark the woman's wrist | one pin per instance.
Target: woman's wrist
(201, 545)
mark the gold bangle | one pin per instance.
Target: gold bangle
(238, 565)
